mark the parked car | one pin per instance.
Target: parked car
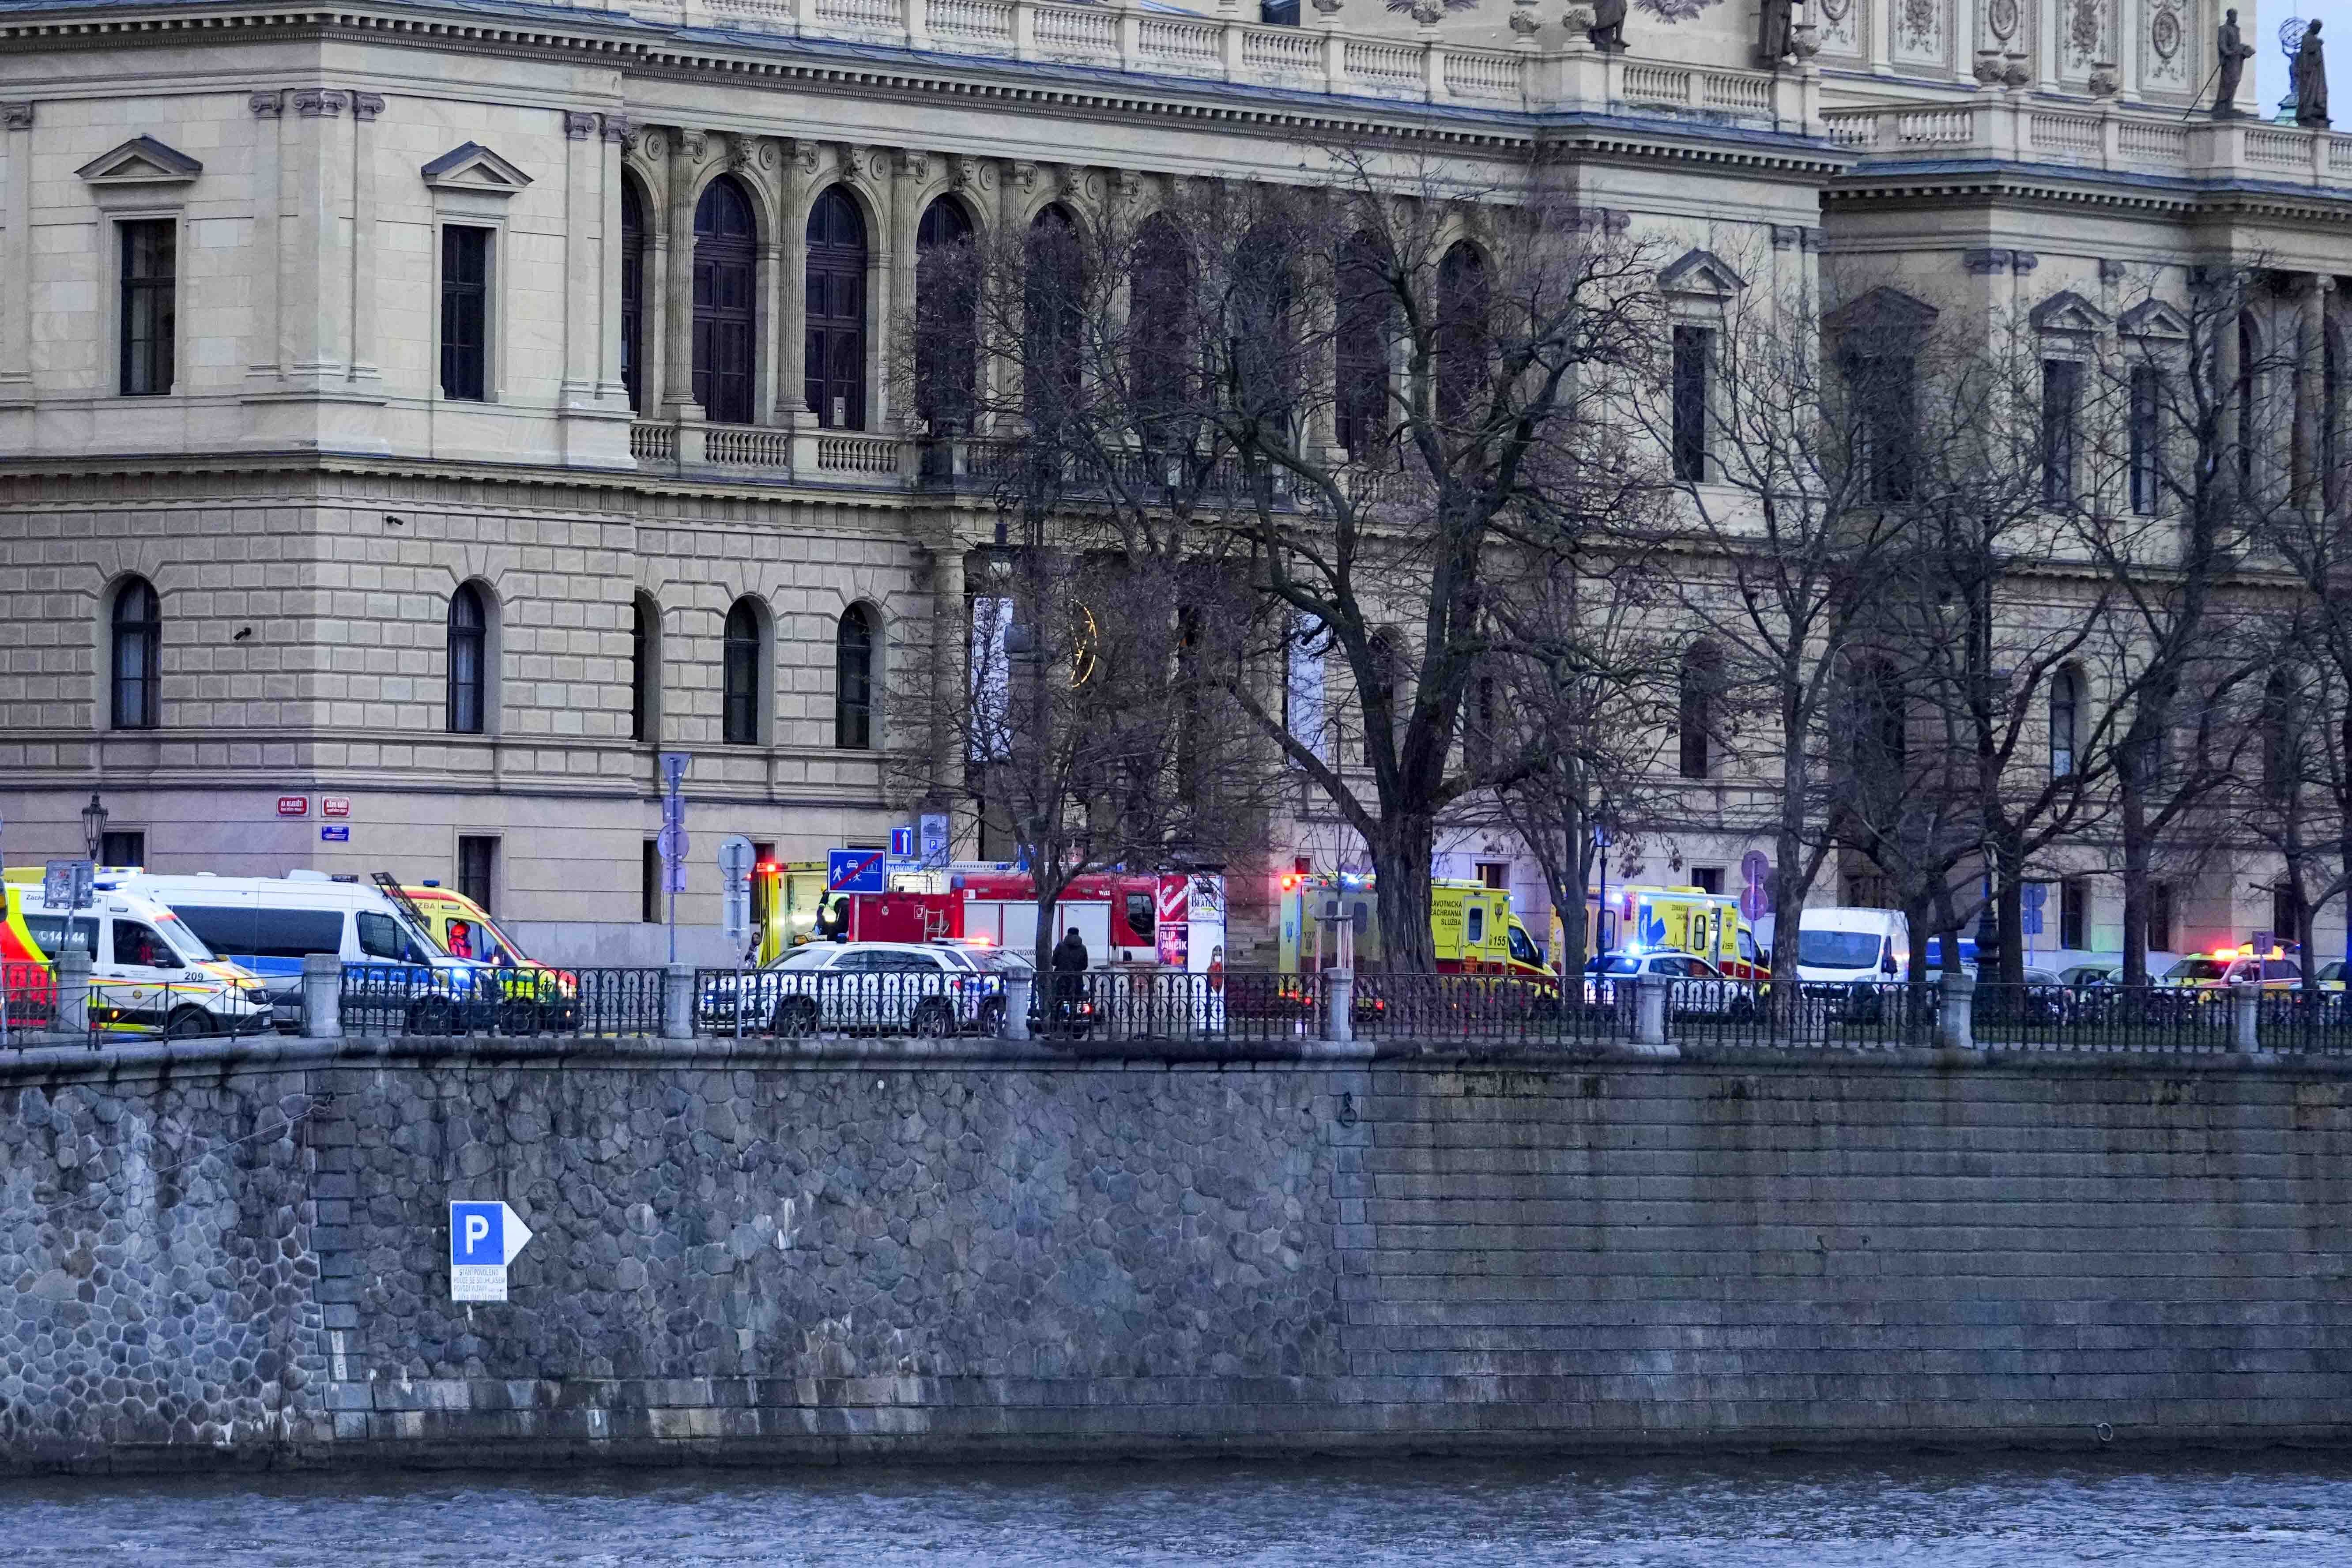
(882, 987)
(2331, 976)
(1698, 986)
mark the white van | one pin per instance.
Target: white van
(1847, 946)
(149, 972)
(269, 924)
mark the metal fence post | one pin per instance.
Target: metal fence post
(1956, 1019)
(677, 1002)
(2245, 1015)
(322, 995)
(1340, 1005)
(1017, 987)
(73, 992)
(1650, 1009)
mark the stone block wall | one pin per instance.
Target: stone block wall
(762, 1254)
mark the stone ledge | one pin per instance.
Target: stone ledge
(151, 1061)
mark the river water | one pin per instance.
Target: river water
(2014, 1511)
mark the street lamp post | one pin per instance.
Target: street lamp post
(93, 825)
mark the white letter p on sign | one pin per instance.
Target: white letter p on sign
(477, 1228)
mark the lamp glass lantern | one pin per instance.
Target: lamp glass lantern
(93, 825)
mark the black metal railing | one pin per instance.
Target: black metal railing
(2298, 1020)
(1863, 1015)
(1483, 1008)
(1178, 1007)
(411, 999)
(795, 1004)
(2161, 1018)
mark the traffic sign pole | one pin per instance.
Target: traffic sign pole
(673, 841)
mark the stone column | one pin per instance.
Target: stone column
(2311, 390)
(652, 327)
(1650, 1009)
(947, 640)
(677, 1002)
(2245, 1015)
(678, 284)
(16, 253)
(73, 994)
(365, 107)
(1340, 1005)
(315, 269)
(585, 245)
(2229, 364)
(1956, 1019)
(610, 389)
(894, 329)
(791, 257)
(322, 997)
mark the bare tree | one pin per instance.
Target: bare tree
(1368, 405)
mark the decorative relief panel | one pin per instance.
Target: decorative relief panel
(1840, 23)
(2171, 45)
(2087, 37)
(2006, 30)
(1920, 32)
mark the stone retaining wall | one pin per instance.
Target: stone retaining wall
(240, 1253)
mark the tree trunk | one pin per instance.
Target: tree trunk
(2009, 911)
(1401, 856)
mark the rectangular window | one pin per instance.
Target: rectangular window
(1495, 874)
(649, 883)
(477, 867)
(1278, 13)
(1694, 359)
(465, 313)
(2159, 917)
(2147, 439)
(2062, 396)
(123, 850)
(1707, 879)
(1884, 390)
(150, 305)
(2074, 914)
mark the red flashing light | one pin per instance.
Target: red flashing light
(765, 866)
(1289, 882)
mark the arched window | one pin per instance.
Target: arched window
(1464, 301)
(724, 246)
(1159, 312)
(852, 680)
(136, 655)
(1702, 676)
(644, 667)
(633, 292)
(469, 658)
(1258, 324)
(740, 666)
(1053, 287)
(2065, 710)
(947, 316)
(2278, 736)
(835, 365)
(1365, 321)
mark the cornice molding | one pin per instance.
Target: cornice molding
(2176, 196)
(647, 50)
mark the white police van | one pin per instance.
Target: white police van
(269, 924)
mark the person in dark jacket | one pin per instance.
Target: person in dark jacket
(1070, 960)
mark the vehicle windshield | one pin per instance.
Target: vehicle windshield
(481, 941)
(813, 956)
(2197, 969)
(1838, 949)
(181, 935)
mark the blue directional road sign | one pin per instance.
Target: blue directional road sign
(902, 843)
(484, 1237)
(855, 870)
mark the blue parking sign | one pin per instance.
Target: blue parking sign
(478, 1234)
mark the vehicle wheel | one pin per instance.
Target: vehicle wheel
(432, 1015)
(933, 1020)
(519, 1017)
(795, 1017)
(992, 1016)
(189, 1024)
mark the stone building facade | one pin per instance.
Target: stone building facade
(444, 372)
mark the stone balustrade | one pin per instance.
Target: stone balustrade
(2104, 135)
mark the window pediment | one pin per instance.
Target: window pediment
(475, 168)
(2154, 319)
(1882, 309)
(2068, 312)
(141, 160)
(1701, 273)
